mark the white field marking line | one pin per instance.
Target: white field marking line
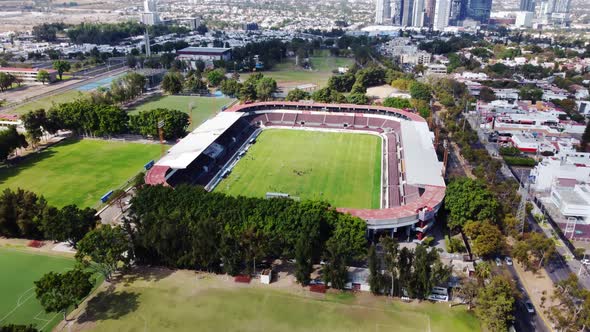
(49, 321)
(18, 304)
(41, 319)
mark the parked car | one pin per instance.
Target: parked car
(508, 260)
(585, 261)
(529, 307)
(498, 261)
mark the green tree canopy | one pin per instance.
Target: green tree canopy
(61, 66)
(468, 199)
(58, 292)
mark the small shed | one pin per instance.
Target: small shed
(266, 276)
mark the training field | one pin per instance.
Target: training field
(47, 102)
(343, 169)
(181, 301)
(79, 172)
(203, 107)
(20, 269)
(288, 74)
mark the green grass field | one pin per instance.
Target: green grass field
(182, 302)
(47, 102)
(322, 64)
(341, 168)
(203, 107)
(20, 269)
(79, 172)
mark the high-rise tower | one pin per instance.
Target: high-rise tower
(383, 12)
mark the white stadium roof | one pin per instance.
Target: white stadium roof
(195, 143)
(421, 163)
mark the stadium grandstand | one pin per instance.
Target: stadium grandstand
(412, 179)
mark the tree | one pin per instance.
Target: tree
(487, 240)
(468, 199)
(69, 224)
(375, 277)
(327, 95)
(585, 138)
(390, 259)
(336, 258)
(303, 263)
(358, 99)
(194, 83)
(61, 66)
(483, 271)
(571, 309)
(146, 123)
(172, 82)
(34, 121)
(104, 249)
(215, 77)
(396, 102)
(420, 91)
(57, 292)
(534, 246)
(265, 88)
(43, 76)
(18, 328)
(342, 83)
(530, 93)
(6, 81)
(10, 140)
(486, 94)
(468, 292)
(230, 87)
(297, 95)
(495, 304)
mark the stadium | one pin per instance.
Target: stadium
(409, 179)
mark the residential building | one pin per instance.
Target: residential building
(436, 69)
(524, 19)
(527, 5)
(442, 14)
(383, 12)
(415, 58)
(573, 165)
(584, 107)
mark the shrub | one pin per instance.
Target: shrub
(520, 161)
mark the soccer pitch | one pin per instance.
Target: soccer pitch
(343, 169)
(78, 172)
(203, 107)
(179, 301)
(20, 269)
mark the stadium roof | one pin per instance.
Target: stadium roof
(421, 163)
(190, 147)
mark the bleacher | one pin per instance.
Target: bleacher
(393, 171)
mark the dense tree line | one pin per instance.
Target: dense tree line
(187, 227)
(24, 214)
(113, 33)
(47, 31)
(146, 123)
(256, 87)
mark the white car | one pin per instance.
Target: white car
(585, 261)
(498, 261)
(508, 260)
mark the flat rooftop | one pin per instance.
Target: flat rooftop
(204, 50)
(421, 162)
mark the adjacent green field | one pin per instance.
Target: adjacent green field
(341, 168)
(20, 269)
(47, 102)
(322, 67)
(79, 172)
(181, 302)
(203, 107)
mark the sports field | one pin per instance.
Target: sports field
(287, 73)
(181, 301)
(203, 107)
(20, 269)
(343, 169)
(47, 102)
(79, 172)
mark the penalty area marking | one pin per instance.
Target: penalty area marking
(20, 302)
